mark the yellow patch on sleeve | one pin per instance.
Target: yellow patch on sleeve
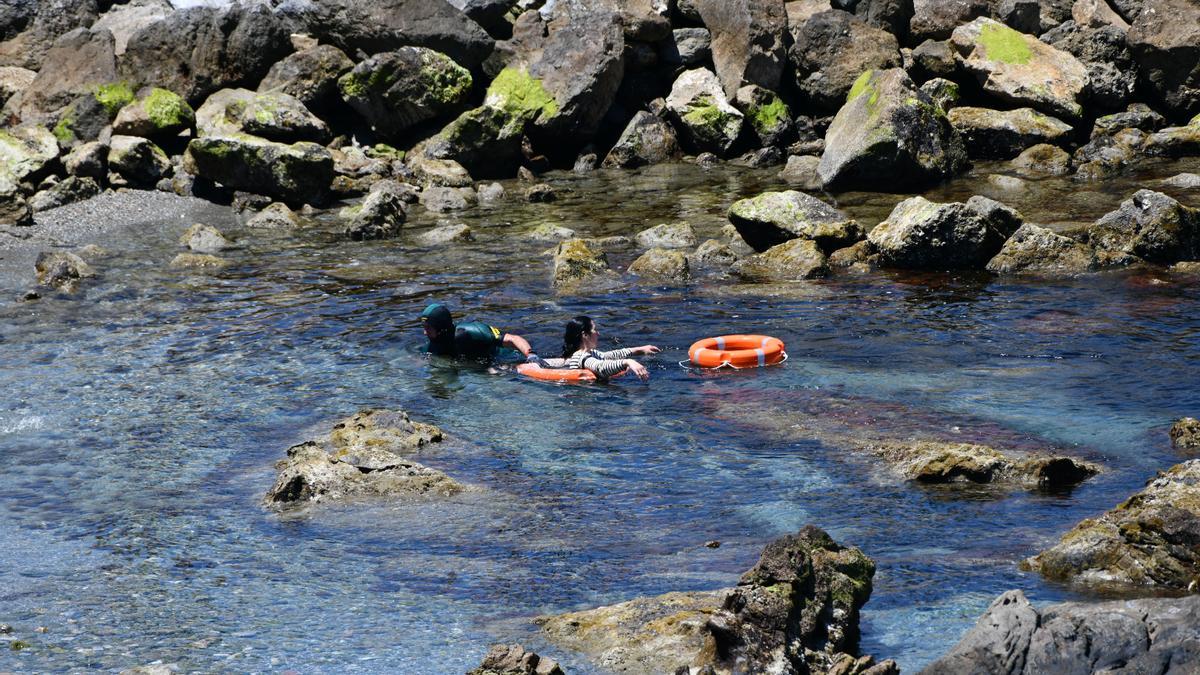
(495, 331)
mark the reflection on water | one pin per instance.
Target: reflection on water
(140, 422)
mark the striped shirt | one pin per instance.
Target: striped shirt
(603, 364)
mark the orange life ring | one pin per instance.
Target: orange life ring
(565, 375)
(739, 351)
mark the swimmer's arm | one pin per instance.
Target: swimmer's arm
(518, 343)
(606, 368)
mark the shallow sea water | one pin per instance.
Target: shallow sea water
(141, 419)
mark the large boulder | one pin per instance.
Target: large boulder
(154, 114)
(1151, 635)
(1151, 226)
(35, 26)
(299, 173)
(380, 215)
(920, 234)
(310, 75)
(1165, 40)
(747, 41)
(647, 139)
(793, 260)
(196, 51)
(1038, 251)
(397, 90)
(67, 191)
(137, 160)
(124, 20)
(889, 133)
(773, 218)
(1104, 52)
(831, 49)
(79, 64)
(1150, 539)
(663, 265)
(707, 121)
(576, 263)
(769, 117)
(937, 19)
(362, 456)
(1004, 134)
(275, 116)
(374, 26)
(795, 611)
(26, 153)
(1020, 69)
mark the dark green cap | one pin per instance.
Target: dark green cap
(438, 316)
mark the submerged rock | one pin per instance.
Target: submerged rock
(1150, 539)
(1043, 160)
(362, 455)
(446, 234)
(1020, 69)
(667, 235)
(1185, 433)
(446, 199)
(889, 133)
(795, 611)
(276, 216)
(1150, 635)
(1037, 250)
(203, 238)
(773, 218)
(198, 261)
(943, 462)
(1151, 226)
(920, 234)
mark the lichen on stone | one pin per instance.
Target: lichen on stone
(770, 115)
(1003, 44)
(166, 109)
(114, 96)
(519, 94)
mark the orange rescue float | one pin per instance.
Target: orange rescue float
(738, 351)
(563, 375)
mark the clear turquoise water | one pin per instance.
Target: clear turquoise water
(140, 421)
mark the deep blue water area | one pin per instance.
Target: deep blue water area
(141, 418)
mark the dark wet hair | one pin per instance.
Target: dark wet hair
(573, 335)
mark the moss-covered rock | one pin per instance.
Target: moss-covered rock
(26, 152)
(707, 122)
(890, 133)
(1038, 251)
(1185, 433)
(298, 173)
(1150, 539)
(1020, 69)
(156, 113)
(941, 462)
(380, 215)
(138, 160)
(769, 117)
(772, 218)
(1149, 225)
(997, 134)
(920, 234)
(62, 270)
(396, 90)
(793, 260)
(663, 265)
(576, 263)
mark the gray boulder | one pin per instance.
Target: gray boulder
(1104, 52)
(747, 41)
(14, 210)
(396, 90)
(890, 133)
(712, 254)
(792, 260)
(299, 173)
(1165, 40)
(445, 199)
(311, 75)
(1137, 117)
(446, 234)
(362, 456)
(920, 234)
(67, 191)
(934, 58)
(515, 660)
(14, 81)
(203, 238)
(87, 159)
(795, 611)
(801, 172)
(276, 216)
(124, 20)
(26, 153)
(1020, 69)
(1151, 226)
(62, 270)
(663, 265)
(439, 172)
(667, 235)
(829, 52)
(1003, 134)
(1039, 251)
(937, 19)
(35, 26)
(138, 160)
(375, 26)
(769, 117)
(81, 63)
(688, 48)
(773, 218)
(706, 120)
(1152, 635)
(194, 52)
(274, 116)
(1150, 539)
(647, 139)
(381, 214)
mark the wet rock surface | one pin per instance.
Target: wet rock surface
(773, 218)
(1185, 433)
(1152, 635)
(1039, 251)
(1150, 539)
(362, 456)
(795, 611)
(515, 660)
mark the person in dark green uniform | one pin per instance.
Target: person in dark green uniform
(473, 339)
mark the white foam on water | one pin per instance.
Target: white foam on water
(23, 423)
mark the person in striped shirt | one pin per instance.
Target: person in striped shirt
(579, 351)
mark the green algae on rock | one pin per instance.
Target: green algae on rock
(298, 173)
(396, 90)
